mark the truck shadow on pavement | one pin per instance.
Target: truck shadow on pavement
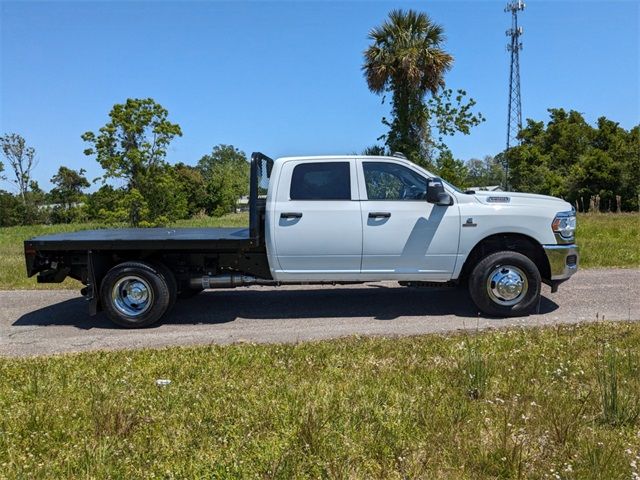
(378, 302)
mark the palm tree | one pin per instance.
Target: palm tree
(406, 59)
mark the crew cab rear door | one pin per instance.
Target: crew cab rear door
(318, 225)
(404, 236)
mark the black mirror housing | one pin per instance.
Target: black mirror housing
(436, 193)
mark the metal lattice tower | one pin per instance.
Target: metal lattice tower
(514, 118)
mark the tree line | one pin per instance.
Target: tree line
(593, 167)
(131, 148)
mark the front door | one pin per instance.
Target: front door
(318, 227)
(404, 236)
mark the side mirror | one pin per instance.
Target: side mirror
(436, 193)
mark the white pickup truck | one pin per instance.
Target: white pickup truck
(332, 219)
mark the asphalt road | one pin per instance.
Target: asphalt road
(48, 322)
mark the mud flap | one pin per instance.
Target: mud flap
(96, 268)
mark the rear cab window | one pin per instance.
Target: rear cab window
(321, 181)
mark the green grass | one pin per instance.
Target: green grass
(556, 402)
(609, 240)
(606, 240)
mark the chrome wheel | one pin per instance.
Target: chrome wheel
(507, 285)
(132, 295)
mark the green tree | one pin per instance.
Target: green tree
(164, 201)
(68, 194)
(34, 211)
(192, 183)
(448, 113)
(568, 158)
(104, 205)
(10, 209)
(375, 151)
(485, 172)
(595, 173)
(21, 159)
(630, 178)
(226, 174)
(132, 146)
(406, 60)
(451, 169)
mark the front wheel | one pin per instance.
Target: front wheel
(136, 294)
(505, 284)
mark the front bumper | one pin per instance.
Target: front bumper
(563, 261)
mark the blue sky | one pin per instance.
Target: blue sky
(284, 77)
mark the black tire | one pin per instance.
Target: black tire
(516, 291)
(127, 278)
(170, 278)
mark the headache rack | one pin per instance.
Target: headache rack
(261, 167)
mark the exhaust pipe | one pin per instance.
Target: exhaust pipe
(227, 281)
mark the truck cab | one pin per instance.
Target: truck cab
(331, 219)
(359, 218)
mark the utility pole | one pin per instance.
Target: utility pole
(514, 116)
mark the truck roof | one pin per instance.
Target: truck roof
(339, 157)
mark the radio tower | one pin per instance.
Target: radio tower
(514, 118)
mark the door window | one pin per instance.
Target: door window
(390, 181)
(321, 181)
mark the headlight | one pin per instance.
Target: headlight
(564, 226)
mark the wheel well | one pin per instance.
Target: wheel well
(507, 241)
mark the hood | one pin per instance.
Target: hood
(520, 198)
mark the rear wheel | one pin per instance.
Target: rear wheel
(136, 294)
(505, 284)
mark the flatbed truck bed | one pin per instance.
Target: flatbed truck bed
(143, 238)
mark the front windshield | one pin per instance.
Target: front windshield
(453, 187)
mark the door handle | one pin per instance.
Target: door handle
(379, 214)
(291, 215)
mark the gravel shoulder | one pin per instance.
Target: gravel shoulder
(46, 322)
